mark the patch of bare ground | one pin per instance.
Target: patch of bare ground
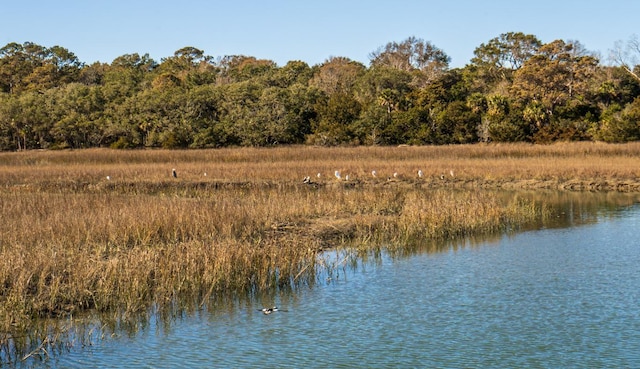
(318, 234)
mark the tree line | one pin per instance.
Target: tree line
(516, 88)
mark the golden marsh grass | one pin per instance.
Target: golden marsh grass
(514, 165)
(114, 231)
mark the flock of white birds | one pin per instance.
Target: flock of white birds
(337, 174)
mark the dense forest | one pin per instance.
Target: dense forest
(516, 88)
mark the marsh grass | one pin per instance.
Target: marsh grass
(73, 241)
(482, 164)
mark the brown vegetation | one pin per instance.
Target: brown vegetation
(558, 166)
(114, 231)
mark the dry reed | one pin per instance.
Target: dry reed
(514, 165)
(113, 231)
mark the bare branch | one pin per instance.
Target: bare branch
(626, 55)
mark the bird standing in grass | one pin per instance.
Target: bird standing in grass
(173, 173)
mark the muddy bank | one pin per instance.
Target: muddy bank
(617, 185)
(593, 185)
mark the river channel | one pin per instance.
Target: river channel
(563, 295)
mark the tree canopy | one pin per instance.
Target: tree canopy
(516, 88)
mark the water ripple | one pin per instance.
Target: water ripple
(545, 299)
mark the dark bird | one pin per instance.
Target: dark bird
(173, 173)
(267, 311)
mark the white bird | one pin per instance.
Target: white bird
(337, 174)
(420, 174)
(374, 174)
(451, 172)
(346, 178)
(108, 178)
(395, 174)
(205, 174)
(318, 175)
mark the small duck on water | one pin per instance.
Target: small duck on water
(267, 311)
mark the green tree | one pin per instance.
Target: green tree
(240, 68)
(337, 75)
(336, 116)
(17, 62)
(293, 73)
(272, 120)
(27, 120)
(66, 64)
(76, 113)
(30, 66)
(456, 124)
(411, 126)
(613, 85)
(12, 135)
(238, 109)
(559, 73)
(620, 124)
(205, 118)
(441, 97)
(381, 91)
(126, 76)
(497, 60)
(502, 120)
(188, 67)
(412, 55)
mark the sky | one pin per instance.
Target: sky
(310, 31)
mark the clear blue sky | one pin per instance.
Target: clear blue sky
(311, 31)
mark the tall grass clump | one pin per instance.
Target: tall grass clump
(451, 215)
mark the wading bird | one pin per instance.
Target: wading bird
(337, 174)
(420, 174)
(173, 173)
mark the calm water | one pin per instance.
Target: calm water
(550, 298)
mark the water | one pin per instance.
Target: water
(549, 298)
